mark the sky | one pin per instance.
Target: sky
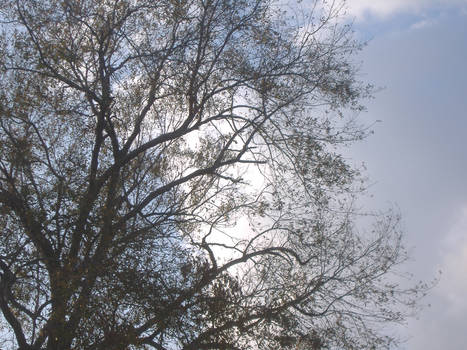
(417, 157)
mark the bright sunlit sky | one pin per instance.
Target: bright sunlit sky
(417, 158)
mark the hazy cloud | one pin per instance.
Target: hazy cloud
(442, 326)
(453, 285)
(417, 157)
(385, 8)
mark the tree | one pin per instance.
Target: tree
(170, 178)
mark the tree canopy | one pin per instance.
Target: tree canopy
(170, 178)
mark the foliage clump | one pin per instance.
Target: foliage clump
(169, 179)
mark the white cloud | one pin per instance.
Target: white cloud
(423, 24)
(384, 8)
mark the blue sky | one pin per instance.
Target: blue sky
(417, 158)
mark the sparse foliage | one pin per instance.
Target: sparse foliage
(170, 179)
